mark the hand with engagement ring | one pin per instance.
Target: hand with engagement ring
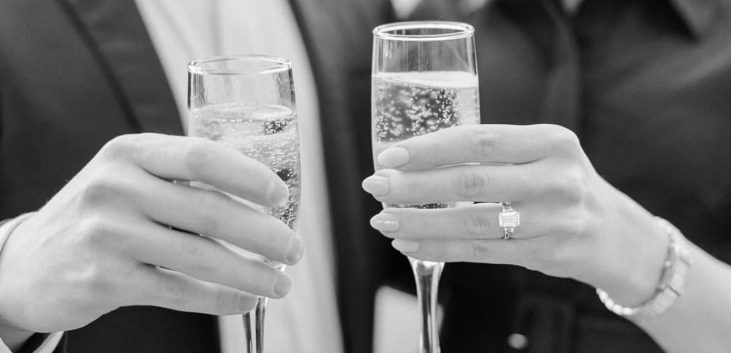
(540, 204)
(535, 187)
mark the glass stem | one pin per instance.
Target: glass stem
(254, 320)
(427, 275)
(254, 327)
(249, 332)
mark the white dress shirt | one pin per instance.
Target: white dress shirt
(52, 340)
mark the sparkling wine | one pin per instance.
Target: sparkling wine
(263, 132)
(417, 103)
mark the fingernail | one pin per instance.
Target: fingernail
(281, 288)
(295, 251)
(393, 157)
(376, 185)
(278, 194)
(385, 222)
(405, 245)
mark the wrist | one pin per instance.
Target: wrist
(640, 268)
(668, 288)
(11, 335)
(630, 264)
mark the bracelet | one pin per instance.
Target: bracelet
(670, 285)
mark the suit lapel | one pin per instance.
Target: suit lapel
(115, 31)
(115, 34)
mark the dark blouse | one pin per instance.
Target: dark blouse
(646, 85)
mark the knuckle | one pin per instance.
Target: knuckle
(195, 154)
(567, 183)
(244, 303)
(554, 258)
(477, 224)
(136, 148)
(441, 251)
(480, 250)
(100, 189)
(484, 142)
(119, 146)
(274, 278)
(93, 280)
(469, 185)
(223, 301)
(574, 227)
(563, 140)
(96, 232)
(574, 185)
(210, 217)
(556, 261)
(198, 258)
(101, 286)
(182, 292)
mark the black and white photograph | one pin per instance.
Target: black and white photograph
(365, 176)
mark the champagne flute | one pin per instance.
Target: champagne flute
(247, 103)
(424, 79)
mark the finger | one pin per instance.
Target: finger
(172, 290)
(492, 251)
(480, 221)
(197, 159)
(217, 215)
(506, 144)
(209, 260)
(459, 183)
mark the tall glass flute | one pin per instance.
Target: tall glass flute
(424, 79)
(248, 103)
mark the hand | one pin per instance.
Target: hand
(573, 223)
(105, 240)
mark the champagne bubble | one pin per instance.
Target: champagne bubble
(411, 104)
(263, 132)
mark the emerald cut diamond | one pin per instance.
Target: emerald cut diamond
(508, 217)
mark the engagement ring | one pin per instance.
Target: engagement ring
(508, 220)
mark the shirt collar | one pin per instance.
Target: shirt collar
(698, 15)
